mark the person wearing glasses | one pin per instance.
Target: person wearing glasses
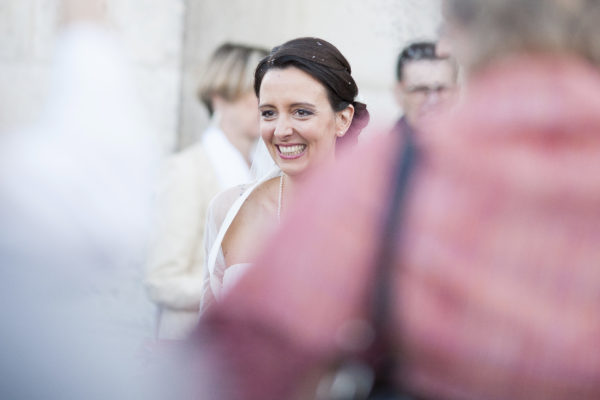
(424, 81)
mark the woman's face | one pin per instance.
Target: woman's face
(297, 122)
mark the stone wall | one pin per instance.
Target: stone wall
(169, 41)
(150, 32)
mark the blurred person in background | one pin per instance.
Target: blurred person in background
(493, 284)
(425, 81)
(308, 109)
(226, 91)
(193, 177)
(75, 201)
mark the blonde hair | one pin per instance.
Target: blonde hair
(503, 27)
(229, 73)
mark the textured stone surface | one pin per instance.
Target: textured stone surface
(150, 33)
(27, 31)
(169, 41)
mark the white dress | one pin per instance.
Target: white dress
(218, 277)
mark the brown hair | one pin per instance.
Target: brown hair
(414, 52)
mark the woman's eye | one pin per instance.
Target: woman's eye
(303, 113)
(267, 114)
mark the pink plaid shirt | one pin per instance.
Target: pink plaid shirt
(497, 292)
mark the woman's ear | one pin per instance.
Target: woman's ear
(343, 119)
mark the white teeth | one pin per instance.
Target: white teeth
(292, 150)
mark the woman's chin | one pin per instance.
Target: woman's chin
(293, 169)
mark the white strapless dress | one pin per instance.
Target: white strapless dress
(218, 277)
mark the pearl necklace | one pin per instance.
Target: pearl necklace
(279, 198)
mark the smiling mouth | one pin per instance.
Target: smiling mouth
(291, 151)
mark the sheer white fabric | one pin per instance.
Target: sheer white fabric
(219, 277)
(262, 162)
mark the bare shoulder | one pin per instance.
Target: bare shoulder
(264, 196)
(221, 203)
(255, 219)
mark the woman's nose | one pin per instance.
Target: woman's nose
(283, 127)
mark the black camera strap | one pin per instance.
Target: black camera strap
(368, 374)
(385, 359)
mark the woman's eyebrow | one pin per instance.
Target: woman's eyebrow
(302, 104)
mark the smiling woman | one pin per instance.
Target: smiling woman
(307, 105)
(297, 123)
